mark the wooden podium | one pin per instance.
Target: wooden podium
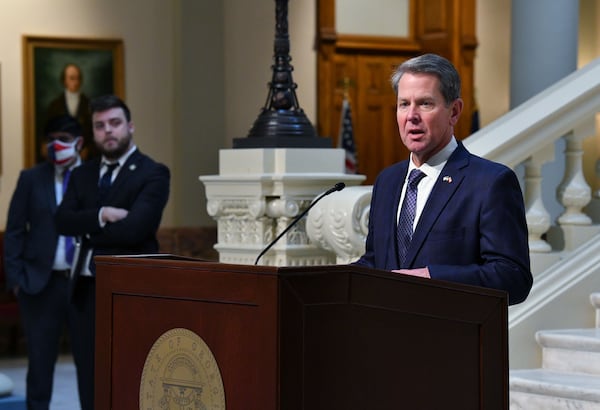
(326, 337)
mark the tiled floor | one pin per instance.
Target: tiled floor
(64, 396)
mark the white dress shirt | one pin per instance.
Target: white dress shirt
(432, 169)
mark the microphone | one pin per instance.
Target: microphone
(337, 187)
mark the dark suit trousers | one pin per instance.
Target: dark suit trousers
(44, 317)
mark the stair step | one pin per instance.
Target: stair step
(548, 389)
(571, 350)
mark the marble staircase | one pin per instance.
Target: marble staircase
(570, 374)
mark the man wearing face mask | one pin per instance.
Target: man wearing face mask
(37, 261)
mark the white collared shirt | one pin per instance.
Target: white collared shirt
(432, 169)
(121, 162)
(72, 99)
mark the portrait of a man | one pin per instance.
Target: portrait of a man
(74, 102)
(61, 76)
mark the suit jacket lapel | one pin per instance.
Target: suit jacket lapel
(49, 187)
(391, 222)
(448, 182)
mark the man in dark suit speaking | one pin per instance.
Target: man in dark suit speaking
(445, 213)
(114, 204)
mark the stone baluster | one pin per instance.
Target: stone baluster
(574, 193)
(538, 218)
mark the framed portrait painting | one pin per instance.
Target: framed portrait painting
(61, 75)
(0, 120)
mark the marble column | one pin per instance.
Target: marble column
(544, 47)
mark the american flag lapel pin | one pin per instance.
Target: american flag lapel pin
(447, 179)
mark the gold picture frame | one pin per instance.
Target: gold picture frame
(101, 67)
(0, 119)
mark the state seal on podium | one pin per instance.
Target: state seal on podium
(181, 372)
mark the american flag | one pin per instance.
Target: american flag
(346, 138)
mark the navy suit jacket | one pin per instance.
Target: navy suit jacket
(472, 229)
(30, 238)
(141, 187)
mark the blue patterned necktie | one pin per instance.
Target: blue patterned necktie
(407, 215)
(69, 247)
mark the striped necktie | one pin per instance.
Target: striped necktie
(407, 215)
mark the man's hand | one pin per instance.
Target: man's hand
(112, 214)
(421, 272)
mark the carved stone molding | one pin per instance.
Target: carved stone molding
(258, 194)
(339, 223)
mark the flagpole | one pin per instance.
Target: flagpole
(346, 85)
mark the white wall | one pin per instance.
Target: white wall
(492, 61)
(200, 105)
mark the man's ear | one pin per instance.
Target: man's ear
(79, 144)
(457, 107)
(131, 127)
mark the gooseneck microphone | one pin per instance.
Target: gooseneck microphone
(337, 187)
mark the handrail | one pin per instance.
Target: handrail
(540, 120)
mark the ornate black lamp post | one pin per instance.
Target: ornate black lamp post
(282, 123)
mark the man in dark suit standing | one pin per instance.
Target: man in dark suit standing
(445, 213)
(37, 259)
(114, 204)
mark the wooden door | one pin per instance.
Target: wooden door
(378, 141)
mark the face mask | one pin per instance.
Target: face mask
(62, 153)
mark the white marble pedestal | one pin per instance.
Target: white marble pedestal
(257, 194)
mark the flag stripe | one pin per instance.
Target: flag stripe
(346, 138)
